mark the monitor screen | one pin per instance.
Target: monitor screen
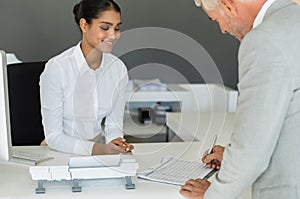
(5, 133)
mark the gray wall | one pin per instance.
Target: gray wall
(36, 30)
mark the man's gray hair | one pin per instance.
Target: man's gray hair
(214, 4)
(207, 4)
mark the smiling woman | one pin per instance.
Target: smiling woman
(85, 84)
(99, 22)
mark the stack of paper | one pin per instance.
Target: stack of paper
(176, 171)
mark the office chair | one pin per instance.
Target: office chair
(11, 58)
(24, 102)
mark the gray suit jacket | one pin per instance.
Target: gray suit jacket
(265, 147)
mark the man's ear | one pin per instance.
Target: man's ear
(83, 25)
(229, 7)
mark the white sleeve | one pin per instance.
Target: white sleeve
(266, 88)
(51, 93)
(114, 122)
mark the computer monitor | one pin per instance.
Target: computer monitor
(7, 153)
(5, 132)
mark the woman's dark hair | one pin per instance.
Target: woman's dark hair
(91, 9)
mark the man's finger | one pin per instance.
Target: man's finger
(188, 187)
(210, 157)
(185, 193)
(218, 148)
(203, 182)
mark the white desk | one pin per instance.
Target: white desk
(15, 181)
(192, 97)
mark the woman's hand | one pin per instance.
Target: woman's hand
(116, 146)
(121, 143)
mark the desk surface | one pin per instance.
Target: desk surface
(16, 181)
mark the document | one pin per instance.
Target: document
(177, 171)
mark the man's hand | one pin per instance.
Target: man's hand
(194, 189)
(214, 159)
(297, 2)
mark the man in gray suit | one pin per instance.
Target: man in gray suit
(264, 149)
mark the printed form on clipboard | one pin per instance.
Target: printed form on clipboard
(177, 171)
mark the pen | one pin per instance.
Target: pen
(211, 147)
(212, 144)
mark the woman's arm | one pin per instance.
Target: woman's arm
(52, 109)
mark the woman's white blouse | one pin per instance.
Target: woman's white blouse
(75, 99)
